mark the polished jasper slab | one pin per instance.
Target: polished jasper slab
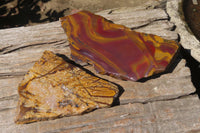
(114, 49)
(54, 88)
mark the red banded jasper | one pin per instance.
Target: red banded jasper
(114, 49)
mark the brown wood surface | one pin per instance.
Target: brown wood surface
(144, 106)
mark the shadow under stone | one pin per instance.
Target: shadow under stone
(194, 68)
(120, 88)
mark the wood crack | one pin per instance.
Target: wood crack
(12, 97)
(148, 24)
(11, 75)
(9, 49)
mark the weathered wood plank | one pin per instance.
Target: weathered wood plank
(179, 115)
(137, 18)
(161, 28)
(16, 38)
(22, 37)
(187, 38)
(165, 87)
(18, 56)
(21, 47)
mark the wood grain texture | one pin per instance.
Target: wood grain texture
(21, 47)
(161, 116)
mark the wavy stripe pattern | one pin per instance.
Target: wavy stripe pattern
(115, 49)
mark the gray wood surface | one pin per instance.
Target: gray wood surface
(161, 104)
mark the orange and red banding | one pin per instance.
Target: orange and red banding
(115, 49)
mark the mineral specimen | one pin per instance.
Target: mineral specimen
(114, 49)
(54, 88)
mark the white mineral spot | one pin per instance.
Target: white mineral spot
(124, 115)
(155, 88)
(64, 87)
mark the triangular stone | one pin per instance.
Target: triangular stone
(54, 88)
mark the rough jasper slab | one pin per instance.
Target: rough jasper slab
(54, 88)
(114, 49)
